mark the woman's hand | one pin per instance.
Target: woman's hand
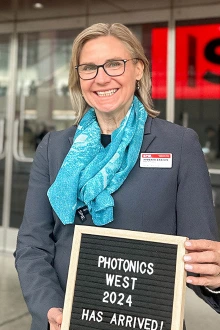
(55, 316)
(203, 258)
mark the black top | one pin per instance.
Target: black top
(105, 139)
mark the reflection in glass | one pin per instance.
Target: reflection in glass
(197, 95)
(155, 46)
(4, 84)
(43, 102)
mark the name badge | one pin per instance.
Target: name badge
(156, 160)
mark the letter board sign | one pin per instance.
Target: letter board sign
(120, 279)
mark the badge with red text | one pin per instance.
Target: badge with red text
(160, 160)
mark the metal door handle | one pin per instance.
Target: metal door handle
(2, 139)
(18, 146)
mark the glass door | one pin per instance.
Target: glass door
(42, 103)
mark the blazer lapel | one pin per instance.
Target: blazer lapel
(71, 137)
(71, 140)
(148, 137)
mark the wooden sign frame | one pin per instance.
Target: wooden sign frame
(180, 275)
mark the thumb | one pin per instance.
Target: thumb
(55, 315)
(59, 316)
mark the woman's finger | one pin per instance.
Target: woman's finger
(55, 327)
(55, 316)
(203, 257)
(203, 269)
(202, 245)
(208, 281)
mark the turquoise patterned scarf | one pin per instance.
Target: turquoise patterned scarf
(90, 173)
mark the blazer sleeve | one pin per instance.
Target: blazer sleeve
(195, 210)
(35, 244)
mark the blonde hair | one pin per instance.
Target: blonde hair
(135, 49)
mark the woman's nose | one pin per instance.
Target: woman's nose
(102, 76)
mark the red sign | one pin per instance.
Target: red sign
(197, 62)
(159, 62)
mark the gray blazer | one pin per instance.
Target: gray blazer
(176, 201)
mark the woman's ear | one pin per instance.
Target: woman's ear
(139, 70)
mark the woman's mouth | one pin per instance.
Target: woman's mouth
(107, 93)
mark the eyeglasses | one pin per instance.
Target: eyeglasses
(112, 68)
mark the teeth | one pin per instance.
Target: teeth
(107, 93)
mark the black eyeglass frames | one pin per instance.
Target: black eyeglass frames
(112, 68)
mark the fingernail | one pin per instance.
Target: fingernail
(188, 267)
(187, 258)
(187, 243)
(188, 281)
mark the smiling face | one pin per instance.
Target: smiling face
(109, 95)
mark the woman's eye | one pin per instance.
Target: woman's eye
(113, 64)
(88, 68)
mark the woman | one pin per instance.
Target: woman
(94, 174)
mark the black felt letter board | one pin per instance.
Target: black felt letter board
(122, 283)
